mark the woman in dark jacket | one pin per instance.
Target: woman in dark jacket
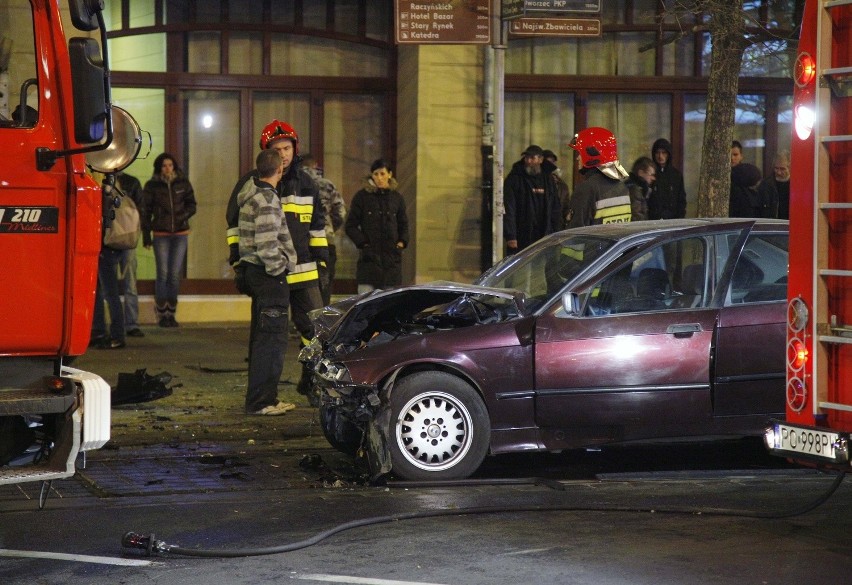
(169, 203)
(378, 225)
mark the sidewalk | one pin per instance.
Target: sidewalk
(207, 361)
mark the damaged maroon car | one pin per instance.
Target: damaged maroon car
(645, 331)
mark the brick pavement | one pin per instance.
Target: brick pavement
(208, 368)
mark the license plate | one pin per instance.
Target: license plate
(807, 441)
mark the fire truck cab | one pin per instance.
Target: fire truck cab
(55, 115)
(819, 316)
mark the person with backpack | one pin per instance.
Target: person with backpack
(131, 188)
(107, 286)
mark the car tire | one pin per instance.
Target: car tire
(340, 432)
(440, 427)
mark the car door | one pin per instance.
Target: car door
(749, 373)
(636, 362)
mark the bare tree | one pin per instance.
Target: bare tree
(728, 37)
(731, 32)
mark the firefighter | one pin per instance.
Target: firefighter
(602, 197)
(305, 215)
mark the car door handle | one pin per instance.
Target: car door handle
(684, 329)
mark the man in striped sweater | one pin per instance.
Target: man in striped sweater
(267, 255)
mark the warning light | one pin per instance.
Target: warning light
(797, 314)
(797, 394)
(55, 384)
(804, 70)
(797, 354)
(803, 121)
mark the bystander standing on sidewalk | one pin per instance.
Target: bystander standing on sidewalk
(667, 198)
(169, 203)
(378, 226)
(127, 263)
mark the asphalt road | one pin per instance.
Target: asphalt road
(200, 475)
(693, 526)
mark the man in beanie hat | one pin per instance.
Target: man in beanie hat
(531, 200)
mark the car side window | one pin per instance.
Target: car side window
(761, 271)
(670, 276)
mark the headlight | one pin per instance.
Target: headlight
(311, 352)
(332, 371)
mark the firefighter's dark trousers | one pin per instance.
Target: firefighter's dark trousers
(302, 302)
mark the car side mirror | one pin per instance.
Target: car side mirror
(571, 304)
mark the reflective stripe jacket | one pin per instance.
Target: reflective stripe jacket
(599, 199)
(332, 201)
(302, 206)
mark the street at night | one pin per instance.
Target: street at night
(196, 475)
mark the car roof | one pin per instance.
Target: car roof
(618, 231)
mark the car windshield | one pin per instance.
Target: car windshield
(542, 270)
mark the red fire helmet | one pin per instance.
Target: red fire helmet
(277, 130)
(597, 146)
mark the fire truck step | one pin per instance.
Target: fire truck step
(60, 462)
(34, 401)
(46, 472)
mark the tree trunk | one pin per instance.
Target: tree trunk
(727, 34)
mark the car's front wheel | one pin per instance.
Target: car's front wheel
(439, 427)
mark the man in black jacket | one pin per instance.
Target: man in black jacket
(668, 196)
(774, 191)
(531, 200)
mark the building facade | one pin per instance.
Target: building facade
(204, 76)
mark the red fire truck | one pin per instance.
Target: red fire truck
(55, 115)
(819, 316)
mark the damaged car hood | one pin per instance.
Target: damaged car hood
(417, 308)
